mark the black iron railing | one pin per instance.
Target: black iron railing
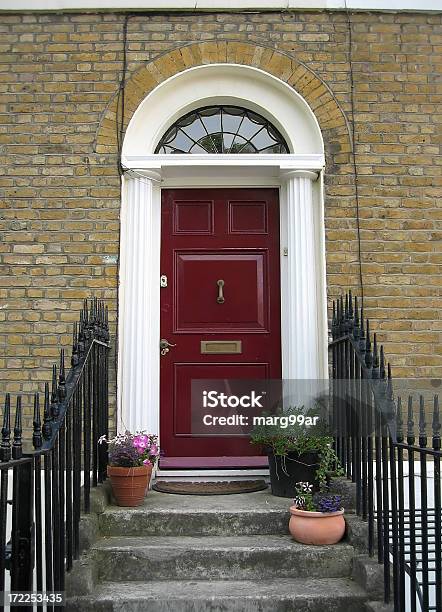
(396, 469)
(43, 491)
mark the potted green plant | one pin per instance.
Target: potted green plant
(131, 458)
(296, 453)
(316, 518)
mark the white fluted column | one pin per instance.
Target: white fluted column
(305, 351)
(139, 314)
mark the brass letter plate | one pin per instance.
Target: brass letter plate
(221, 347)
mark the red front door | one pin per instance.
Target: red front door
(220, 254)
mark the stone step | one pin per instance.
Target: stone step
(281, 595)
(217, 558)
(180, 515)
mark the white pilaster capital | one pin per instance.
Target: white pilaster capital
(291, 174)
(145, 174)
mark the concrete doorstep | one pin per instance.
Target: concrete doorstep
(230, 553)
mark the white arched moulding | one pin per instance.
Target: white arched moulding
(298, 175)
(223, 84)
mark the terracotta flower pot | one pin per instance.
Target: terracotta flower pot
(316, 527)
(129, 485)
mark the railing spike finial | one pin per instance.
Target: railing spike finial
(99, 324)
(103, 322)
(382, 364)
(36, 434)
(399, 420)
(54, 393)
(17, 448)
(89, 328)
(333, 321)
(389, 390)
(80, 343)
(54, 384)
(390, 407)
(5, 447)
(341, 316)
(338, 316)
(362, 333)
(436, 423)
(47, 416)
(96, 320)
(74, 357)
(410, 421)
(85, 311)
(422, 421)
(356, 329)
(62, 378)
(368, 354)
(350, 310)
(375, 360)
(106, 324)
(350, 320)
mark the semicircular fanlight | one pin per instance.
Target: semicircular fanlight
(222, 129)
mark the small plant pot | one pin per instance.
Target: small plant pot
(317, 528)
(129, 485)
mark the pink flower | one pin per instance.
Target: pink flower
(153, 450)
(146, 462)
(140, 443)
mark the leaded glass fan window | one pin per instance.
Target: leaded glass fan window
(222, 129)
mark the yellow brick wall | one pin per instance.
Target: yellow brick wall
(59, 218)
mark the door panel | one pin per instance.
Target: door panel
(244, 274)
(213, 236)
(185, 372)
(193, 217)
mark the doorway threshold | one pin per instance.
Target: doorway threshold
(213, 463)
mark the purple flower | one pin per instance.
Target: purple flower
(123, 456)
(329, 503)
(130, 450)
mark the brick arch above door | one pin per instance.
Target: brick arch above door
(305, 82)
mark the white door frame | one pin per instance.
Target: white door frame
(302, 264)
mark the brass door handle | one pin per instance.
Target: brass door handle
(220, 299)
(165, 346)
